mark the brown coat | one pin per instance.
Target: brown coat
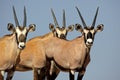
(8, 51)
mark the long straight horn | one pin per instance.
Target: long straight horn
(15, 17)
(25, 19)
(94, 20)
(54, 18)
(83, 22)
(64, 20)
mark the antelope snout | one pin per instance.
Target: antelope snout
(89, 41)
(62, 36)
(21, 45)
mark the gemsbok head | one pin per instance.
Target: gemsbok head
(60, 32)
(11, 45)
(20, 31)
(88, 31)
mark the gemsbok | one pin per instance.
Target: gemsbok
(33, 57)
(12, 44)
(73, 56)
(52, 69)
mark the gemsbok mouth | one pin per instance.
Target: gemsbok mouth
(21, 45)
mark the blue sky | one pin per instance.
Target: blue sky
(105, 54)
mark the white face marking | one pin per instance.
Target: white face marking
(19, 32)
(89, 40)
(92, 31)
(21, 45)
(60, 32)
(85, 31)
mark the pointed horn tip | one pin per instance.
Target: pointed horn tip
(51, 9)
(97, 8)
(64, 10)
(24, 22)
(76, 7)
(13, 6)
(24, 8)
(64, 20)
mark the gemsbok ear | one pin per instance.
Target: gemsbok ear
(78, 27)
(10, 27)
(51, 27)
(31, 27)
(70, 28)
(100, 28)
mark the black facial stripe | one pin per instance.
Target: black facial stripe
(56, 35)
(22, 38)
(16, 39)
(85, 38)
(89, 35)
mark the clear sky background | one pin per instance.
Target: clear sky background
(105, 54)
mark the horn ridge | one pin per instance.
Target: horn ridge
(54, 18)
(64, 19)
(15, 17)
(83, 22)
(25, 17)
(94, 20)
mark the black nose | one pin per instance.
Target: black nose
(90, 42)
(62, 36)
(22, 47)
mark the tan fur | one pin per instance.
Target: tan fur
(68, 54)
(8, 52)
(33, 55)
(65, 53)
